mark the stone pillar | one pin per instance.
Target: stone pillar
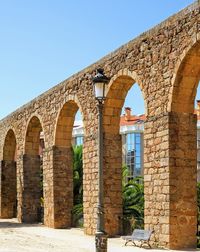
(156, 178)
(31, 191)
(113, 183)
(183, 180)
(8, 191)
(58, 187)
(90, 183)
(170, 179)
(19, 187)
(112, 177)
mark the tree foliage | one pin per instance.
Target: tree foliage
(78, 174)
(133, 198)
(132, 191)
(77, 211)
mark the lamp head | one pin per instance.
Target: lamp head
(100, 81)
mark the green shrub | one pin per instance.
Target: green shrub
(77, 212)
(133, 200)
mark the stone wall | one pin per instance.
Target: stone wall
(156, 61)
(30, 206)
(58, 187)
(8, 189)
(8, 182)
(183, 177)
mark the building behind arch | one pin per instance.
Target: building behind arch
(132, 132)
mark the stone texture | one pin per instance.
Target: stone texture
(164, 61)
(31, 189)
(8, 183)
(183, 177)
(8, 190)
(58, 187)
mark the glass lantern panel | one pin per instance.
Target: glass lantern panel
(99, 90)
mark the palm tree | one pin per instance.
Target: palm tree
(133, 199)
(78, 174)
(77, 211)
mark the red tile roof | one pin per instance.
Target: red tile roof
(132, 120)
(125, 121)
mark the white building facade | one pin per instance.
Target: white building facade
(132, 132)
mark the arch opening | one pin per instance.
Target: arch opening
(123, 139)
(68, 166)
(77, 146)
(186, 82)
(9, 177)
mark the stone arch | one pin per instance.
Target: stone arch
(183, 149)
(65, 121)
(8, 207)
(32, 172)
(116, 93)
(65, 124)
(120, 85)
(32, 137)
(9, 148)
(62, 168)
(185, 80)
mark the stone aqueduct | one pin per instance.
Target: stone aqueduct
(165, 62)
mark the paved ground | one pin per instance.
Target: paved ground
(15, 237)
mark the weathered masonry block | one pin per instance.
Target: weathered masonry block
(31, 188)
(58, 187)
(165, 62)
(156, 177)
(8, 189)
(183, 177)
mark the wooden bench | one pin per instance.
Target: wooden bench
(143, 236)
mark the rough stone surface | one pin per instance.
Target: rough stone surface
(31, 191)
(165, 62)
(58, 188)
(8, 189)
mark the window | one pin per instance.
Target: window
(130, 153)
(134, 153)
(79, 140)
(198, 165)
(198, 143)
(137, 170)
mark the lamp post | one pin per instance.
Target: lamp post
(100, 81)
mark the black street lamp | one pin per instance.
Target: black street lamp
(100, 81)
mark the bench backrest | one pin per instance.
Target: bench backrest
(142, 234)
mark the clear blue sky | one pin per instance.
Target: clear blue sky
(45, 41)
